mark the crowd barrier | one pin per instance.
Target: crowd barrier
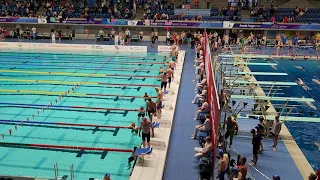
(72, 47)
(212, 97)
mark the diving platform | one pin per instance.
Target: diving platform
(265, 83)
(285, 118)
(273, 98)
(249, 63)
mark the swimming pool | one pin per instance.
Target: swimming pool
(97, 89)
(304, 133)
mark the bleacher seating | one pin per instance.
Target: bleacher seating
(310, 16)
(207, 15)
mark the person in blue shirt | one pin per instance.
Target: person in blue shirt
(295, 40)
(284, 39)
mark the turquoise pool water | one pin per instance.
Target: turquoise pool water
(29, 81)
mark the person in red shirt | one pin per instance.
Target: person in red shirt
(318, 173)
(285, 19)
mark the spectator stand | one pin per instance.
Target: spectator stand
(221, 14)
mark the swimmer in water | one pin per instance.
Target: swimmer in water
(317, 144)
(134, 128)
(146, 97)
(299, 67)
(141, 113)
(303, 85)
(160, 70)
(316, 81)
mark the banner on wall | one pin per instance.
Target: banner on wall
(73, 47)
(212, 97)
(164, 48)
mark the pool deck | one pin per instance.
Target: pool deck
(288, 161)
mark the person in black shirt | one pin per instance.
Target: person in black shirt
(192, 42)
(256, 141)
(189, 35)
(153, 40)
(259, 41)
(28, 33)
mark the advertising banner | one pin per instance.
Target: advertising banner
(164, 48)
(73, 47)
(18, 20)
(212, 97)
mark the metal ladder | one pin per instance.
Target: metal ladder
(56, 173)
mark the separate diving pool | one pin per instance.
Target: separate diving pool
(304, 133)
(103, 90)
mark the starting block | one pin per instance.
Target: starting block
(141, 152)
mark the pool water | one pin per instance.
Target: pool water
(304, 133)
(30, 81)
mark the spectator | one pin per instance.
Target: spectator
(273, 19)
(203, 95)
(312, 176)
(205, 127)
(256, 143)
(34, 32)
(285, 19)
(205, 150)
(276, 128)
(318, 174)
(59, 35)
(101, 34)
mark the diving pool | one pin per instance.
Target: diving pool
(304, 133)
(104, 89)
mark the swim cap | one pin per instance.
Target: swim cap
(276, 177)
(144, 119)
(141, 107)
(107, 175)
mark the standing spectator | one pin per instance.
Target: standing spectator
(53, 37)
(168, 37)
(34, 32)
(276, 128)
(86, 34)
(59, 35)
(101, 34)
(73, 32)
(128, 36)
(140, 36)
(116, 40)
(256, 143)
(18, 27)
(28, 33)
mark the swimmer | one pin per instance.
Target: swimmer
(132, 158)
(107, 177)
(310, 104)
(303, 85)
(134, 128)
(316, 81)
(160, 70)
(141, 113)
(165, 59)
(317, 144)
(146, 97)
(299, 67)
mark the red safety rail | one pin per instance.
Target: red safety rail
(51, 146)
(212, 97)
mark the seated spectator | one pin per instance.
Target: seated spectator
(205, 127)
(273, 19)
(205, 150)
(285, 19)
(205, 108)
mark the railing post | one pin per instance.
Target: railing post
(56, 171)
(72, 172)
